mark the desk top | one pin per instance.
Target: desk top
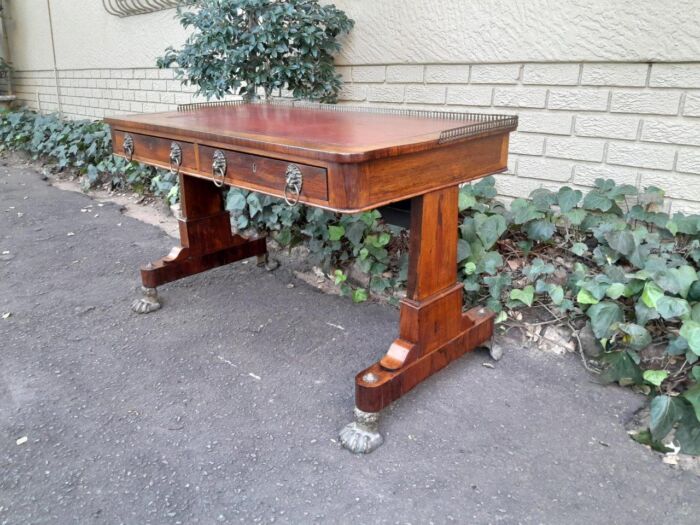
(334, 133)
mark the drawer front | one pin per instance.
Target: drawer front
(155, 150)
(266, 174)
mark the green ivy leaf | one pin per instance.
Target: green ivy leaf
(490, 262)
(235, 201)
(489, 228)
(585, 297)
(540, 230)
(597, 201)
(469, 268)
(685, 276)
(615, 290)
(672, 307)
(497, 283)
(665, 412)
(524, 211)
(694, 292)
(339, 277)
(466, 200)
(526, 295)
(579, 248)
(692, 395)
(536, 268)
(677, 346)
(543, 199)
(621, 241)
(568, 198)
(254, 204)
(637, 337)
(655, 377)
(576, 216)
(355, 232)
(621, 368)
(464, 250)
(651, 294)
(335, 233)
(695, 373)
(556, 294)
(359, 295)
(644, 438)
(688, 436)
(690, 331)
(604, 317)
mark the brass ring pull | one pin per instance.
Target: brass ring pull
(175, 158)
(218, 168)
(128, 147)
(293, 185)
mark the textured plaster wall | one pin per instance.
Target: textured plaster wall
(603, 88)
(464, 31)
(86, 36)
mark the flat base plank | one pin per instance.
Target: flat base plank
(386, 386)
(166, 270)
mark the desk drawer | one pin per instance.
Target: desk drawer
(266, 174)
(154, 150)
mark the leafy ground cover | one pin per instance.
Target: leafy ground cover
(609, 263)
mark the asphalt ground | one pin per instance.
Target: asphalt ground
(225, 405)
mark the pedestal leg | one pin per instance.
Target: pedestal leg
(206, 242)
(433, 331)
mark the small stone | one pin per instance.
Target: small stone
(22, 440)
(589, 342)
(556, 340)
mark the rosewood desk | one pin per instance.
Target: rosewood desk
(342, 159)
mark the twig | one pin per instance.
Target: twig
(580, 345)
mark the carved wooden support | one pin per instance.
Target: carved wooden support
(433, 331)
(206, 240)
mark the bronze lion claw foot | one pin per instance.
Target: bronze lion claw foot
(362, 435)
(148, 303)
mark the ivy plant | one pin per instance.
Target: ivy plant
(238, 46)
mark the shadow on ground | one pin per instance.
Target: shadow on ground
(225, 405)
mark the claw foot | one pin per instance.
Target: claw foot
(148, 303)
(362, 435)
(268, 262)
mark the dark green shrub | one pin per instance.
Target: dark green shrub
(237, 46)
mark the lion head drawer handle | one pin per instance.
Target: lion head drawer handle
(128, 147)
(292, 187)
(218, 168)
(175, 158)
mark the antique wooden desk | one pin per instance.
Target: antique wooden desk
(342, 159)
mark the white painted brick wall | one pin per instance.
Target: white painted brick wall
(675, 75)
(650, 102)
(641, 155)
(520, 98)
(574, 148)
(578, 99)
(616, 127)
(495, 73)
(551, 74)
(636, 123)
(470, 95)
(404, 74)
(446, 74)
(614, 75)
